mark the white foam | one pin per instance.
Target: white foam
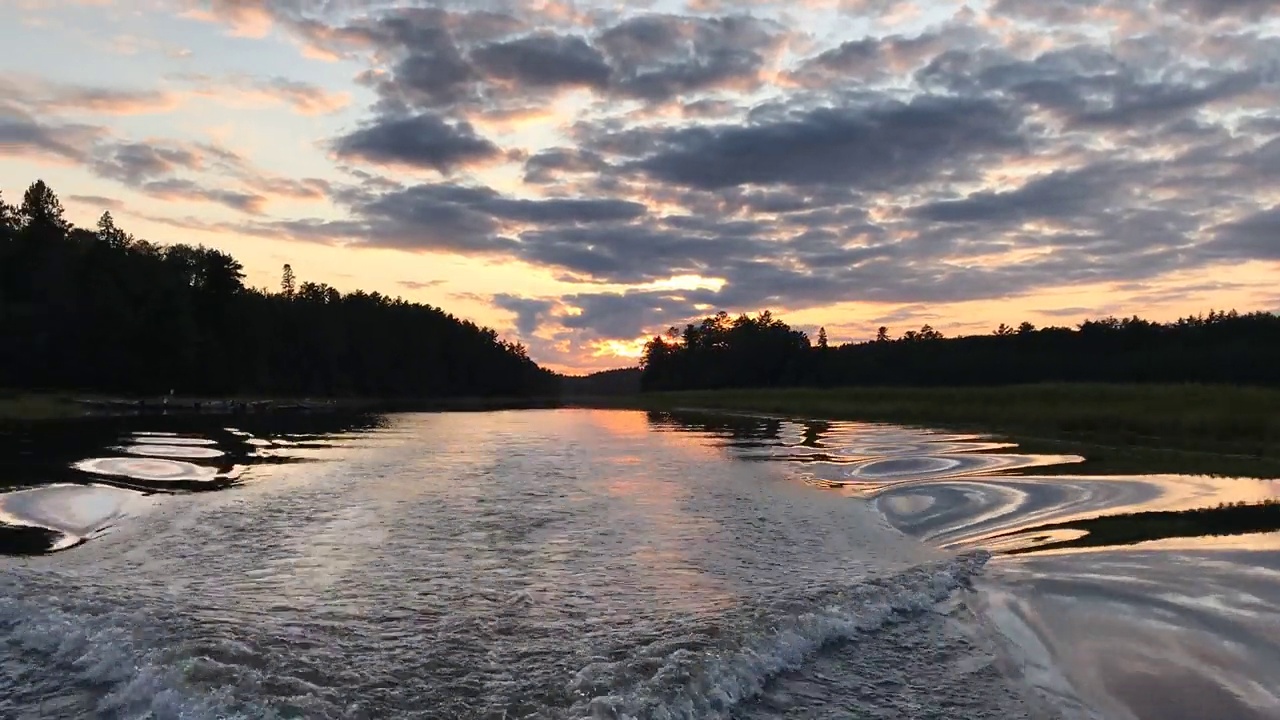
(699, 686)
(103, 655)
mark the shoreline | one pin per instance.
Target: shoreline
(22, 406)
(1120, 429)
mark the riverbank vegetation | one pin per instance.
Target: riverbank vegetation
(1196, 395)
(722, 352)
(102, 311)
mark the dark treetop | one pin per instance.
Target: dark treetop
(100, 310)
(744, 352)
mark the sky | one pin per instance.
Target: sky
(581, 175)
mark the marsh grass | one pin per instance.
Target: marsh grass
(1193, 429)
(1237, 518)
(36, 406)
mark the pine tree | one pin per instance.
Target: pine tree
(288, 284)
(41, 207)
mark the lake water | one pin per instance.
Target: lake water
(617, 564)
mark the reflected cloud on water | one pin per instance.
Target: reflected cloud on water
(1134, 597)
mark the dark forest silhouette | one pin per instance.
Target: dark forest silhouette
(763, 351)
(100, 310)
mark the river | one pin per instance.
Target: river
(617, 564)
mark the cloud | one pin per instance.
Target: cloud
(290, 188)
(135, 162)
(789, 155)
(658, 57)
(245, 18)
(95, 201)
(42, 97)
(425, 140)
(305, 98)
(530, 312)
(543, 60)
(108, 101)
(883, 145)
(153, 166)
(47, 98)
(1254, 237)
(1063, 194)
(188, 190)
(882, 59)
(241, 90)
(550, 165)
(416, 285)
(1254, 10)
(446, 217)
(22, 134)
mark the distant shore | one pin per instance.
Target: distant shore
(1177, 429)
(39, 406)
(1184, 429)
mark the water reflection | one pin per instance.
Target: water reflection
(61, 485)
(57, 517)
(155, 473)
(959, 491)
(195, 452)
(1140, 597)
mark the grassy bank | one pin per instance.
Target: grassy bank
(37, 406)
(1119, 428)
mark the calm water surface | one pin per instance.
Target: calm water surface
(614, 564)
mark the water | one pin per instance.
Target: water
(615, 564)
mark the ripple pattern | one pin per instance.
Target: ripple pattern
(193, 452)
(609, 565)
(148, 470)
(555, 566)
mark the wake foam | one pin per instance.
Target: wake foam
(92, 661)
(696, 685)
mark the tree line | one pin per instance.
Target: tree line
(104, 311)
(762, 351)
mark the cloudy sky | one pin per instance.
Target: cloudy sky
(579, 174)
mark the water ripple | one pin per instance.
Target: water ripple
(571, 564)
(191, 452)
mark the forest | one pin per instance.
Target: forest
(763, 351)
(100, 310)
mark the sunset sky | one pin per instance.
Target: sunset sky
(582, 174)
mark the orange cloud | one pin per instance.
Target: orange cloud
(303, 98)
(47, 98)
(244, 17)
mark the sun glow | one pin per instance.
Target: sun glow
(631, 349)
(684, 282)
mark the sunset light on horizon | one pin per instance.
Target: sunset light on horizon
(582, 175)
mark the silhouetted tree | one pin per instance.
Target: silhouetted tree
(101, 310)
(40, 207)
(112, 236)
(8, 215)
(288, 283)
(822, 337)
(1224, 347)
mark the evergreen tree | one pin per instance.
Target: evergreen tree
(103, 311)
(288, 284)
